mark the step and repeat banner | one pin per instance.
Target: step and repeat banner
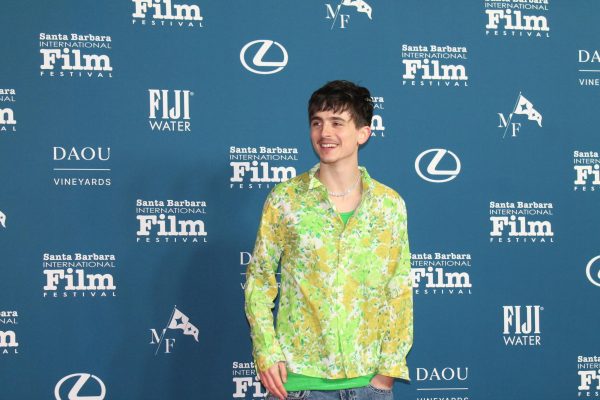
(139, 139)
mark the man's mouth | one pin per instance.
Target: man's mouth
(328, 145)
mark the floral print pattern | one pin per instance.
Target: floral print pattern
(345, 307)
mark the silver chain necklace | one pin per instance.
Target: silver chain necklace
(345, 192)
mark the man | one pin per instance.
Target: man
(344, 321)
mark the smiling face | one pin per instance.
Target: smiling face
(336, 138)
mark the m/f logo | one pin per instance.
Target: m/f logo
(169, 112)
(522, 326)
(164, 13)
(522, 107)
(178, 320)
(342, 20)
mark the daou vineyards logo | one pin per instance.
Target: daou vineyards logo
(8, 123)
(587, 171)
(165, 13)
(84, 165)
(257, 51)
(516, 18)
(261, 167)
(8, 336)
(337, 15)
(177, 321)
(588, 369)
(246, 384)
(80, 386)
(432, 65)
(521, 222)
(592, 271)
(74, 55)
(522, 325)
(170, 221)
(170, 110)
(437, 165)
(444, 383)
(245, 259)
(431, 276)
(377, 128)
(79, 275)
(589, 64)
(522, 107)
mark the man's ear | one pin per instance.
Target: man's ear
(364, 134)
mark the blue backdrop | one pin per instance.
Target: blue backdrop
(139, 139)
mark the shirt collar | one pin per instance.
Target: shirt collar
(314, 182)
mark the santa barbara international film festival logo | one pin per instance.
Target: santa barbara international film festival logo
(75, 55)
(80, 386)
(433, 65)
(589, 67)
(521, 222)
(522, 107)
(522, 325)
(437, 165)
(170, 110)
(246, 384)
(254, 54)
(587, 171)
(339, 14)
(8, 123)
(443, 383)
(79, 275)
(165, 341)
(377, 127)
(261, 167)
(588, 370)
(171, 221)
(166, 13)
(8, 336)
(441, 273)
(516, 18)
(81, 166)
(245, 259)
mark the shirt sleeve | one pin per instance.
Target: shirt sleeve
(261, 287)
(398, 335)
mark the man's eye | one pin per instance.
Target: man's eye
(315, 123)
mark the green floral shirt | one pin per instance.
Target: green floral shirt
(345, 308)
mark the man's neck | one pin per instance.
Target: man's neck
(338, 178)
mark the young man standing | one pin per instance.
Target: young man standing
(344, 323)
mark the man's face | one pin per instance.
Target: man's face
(335, 137)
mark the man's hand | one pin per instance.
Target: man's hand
(274, 378)
(382, 382)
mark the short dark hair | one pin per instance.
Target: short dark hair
(340, 96)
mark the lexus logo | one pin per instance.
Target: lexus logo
(432, 172)
(594, 276)
(259, 48)
(76, 387)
